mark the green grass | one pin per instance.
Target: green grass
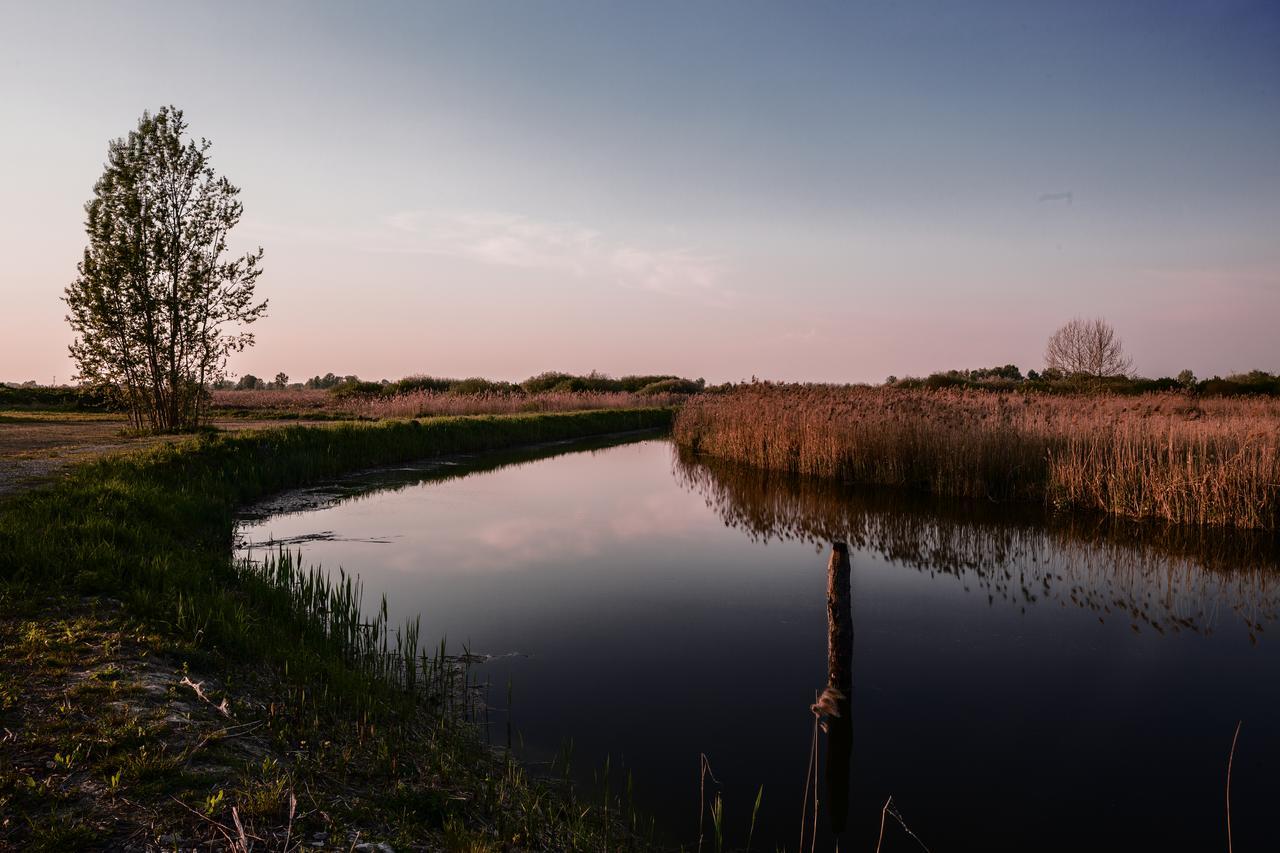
(381, 733)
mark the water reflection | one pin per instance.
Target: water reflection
(652, 633)
(396, 478)
(1159, 577)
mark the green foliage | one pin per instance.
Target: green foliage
(329, 380)
(421, 383)
(672, 386)
(1050, 381)
(593, 381)
(83, 399)
(357, 388)
(1253, 383)
(478, 385)
(156, 303)
(351, 386)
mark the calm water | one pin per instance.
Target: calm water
(1019, 682)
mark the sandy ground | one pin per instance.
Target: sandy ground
(36, 446)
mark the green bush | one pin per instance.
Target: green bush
(61, 399)
(671, 386)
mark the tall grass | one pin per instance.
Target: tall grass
(1166, 456)
(431, 403)
(417, 404)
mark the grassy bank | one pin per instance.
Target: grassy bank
(1164, 456)
(134, 551)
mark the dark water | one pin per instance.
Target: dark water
(1019, 682)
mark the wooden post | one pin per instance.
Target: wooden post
(840, 682)
(839, 619)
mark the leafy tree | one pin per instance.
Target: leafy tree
(1086, 348)
(281, 380)
(157, 299)
(1186, 378)
(249, 382)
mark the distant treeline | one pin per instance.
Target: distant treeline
(1009, 378)
(58, 398)
(354, 386)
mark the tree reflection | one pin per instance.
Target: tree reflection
(1166, 578)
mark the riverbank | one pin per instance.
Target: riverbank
(118, 596)
(1174, 457)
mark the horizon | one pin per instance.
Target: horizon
(718, 190)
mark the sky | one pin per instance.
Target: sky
(794, 191)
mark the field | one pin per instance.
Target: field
(1209, 461)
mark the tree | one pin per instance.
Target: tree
(1186, 378)
(249, 382)
(157, 299)
(281, 380)
(1086, 348)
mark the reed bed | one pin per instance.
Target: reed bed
(427, 403)
(419, 404)
(284, 400)
(1165, 456)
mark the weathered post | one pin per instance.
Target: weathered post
(839, 683)
(839, 619)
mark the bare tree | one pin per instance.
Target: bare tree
(1088, 348)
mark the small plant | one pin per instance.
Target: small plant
(213, 803)
(755, 812)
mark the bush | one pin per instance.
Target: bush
(410, 384)
(479, 385)
(671, 386)
(83, 399)
(358, 388)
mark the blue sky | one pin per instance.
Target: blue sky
(796, 191)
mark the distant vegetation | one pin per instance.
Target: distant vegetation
(1168, 456)
(1010, 378)
(56, 398)
(418, 404)
(419, 396)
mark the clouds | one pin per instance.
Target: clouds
(521, 242)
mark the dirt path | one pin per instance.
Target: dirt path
(36, 446)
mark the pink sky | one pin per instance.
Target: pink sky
(780, 195)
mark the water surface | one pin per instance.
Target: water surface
(1019, 681)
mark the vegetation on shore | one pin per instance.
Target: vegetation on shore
(420, 404)
(134, 551)
(1008, 377)
(45, 398)
(1209, 461)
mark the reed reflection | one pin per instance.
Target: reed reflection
(1163, 578)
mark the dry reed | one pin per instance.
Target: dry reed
(1211, 461)
(418, 404)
